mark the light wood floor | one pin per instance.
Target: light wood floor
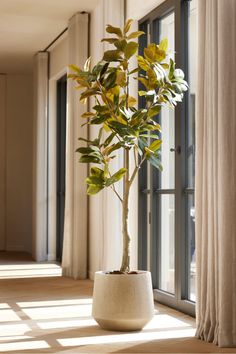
(42, 312)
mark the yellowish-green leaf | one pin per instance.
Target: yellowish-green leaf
(94, 189)
(106, 128)
(165, 65)
(154, 54)
(128, 25)
(142, 63)
(164, 45)
(114, 30)
(155, 145)
(121, 78)
(131, 101)
(74, 68)
(135, 34)
(87, 64)
(130, 49)
(87, 115)
(144, 82)
(115, 91)
(109, 40)
(112, 55)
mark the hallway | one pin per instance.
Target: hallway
(42, 312)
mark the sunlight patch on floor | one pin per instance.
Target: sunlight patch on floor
(67, 324)
(27, 304)
(127, 337)
(58, 312)
(30, 270)
(37, 344)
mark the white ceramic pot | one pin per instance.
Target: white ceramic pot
(123, 302)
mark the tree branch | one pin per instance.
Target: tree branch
(117, 194)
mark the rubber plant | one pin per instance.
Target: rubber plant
(123, 126)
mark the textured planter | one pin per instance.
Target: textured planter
(123, 302)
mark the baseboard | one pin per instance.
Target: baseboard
(16, 248)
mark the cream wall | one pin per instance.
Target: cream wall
(16, 162)
(137, 9)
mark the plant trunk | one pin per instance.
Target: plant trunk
(125, 265)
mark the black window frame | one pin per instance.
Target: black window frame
(149, 24)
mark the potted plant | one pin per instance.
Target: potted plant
(123, 299)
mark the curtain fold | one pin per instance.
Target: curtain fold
(215, 173)
(40, 156)
(74, 258)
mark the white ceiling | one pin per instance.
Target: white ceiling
(27, 26)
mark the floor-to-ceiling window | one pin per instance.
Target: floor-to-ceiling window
(166, 199)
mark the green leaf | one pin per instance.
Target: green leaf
(88, 93)
(109, 149)
(135, 34)
(94, 189)
(155, 161)
(109, 139)
(89, 159)
(120, 45)
(116, 177)
(109, 40)
(115, 30)
(96, 180)
(130, 49)
(98, 120)
(110, 80)
(128, 25)
(112, 55)
(87, 150)
(96, 171)
(133, 71)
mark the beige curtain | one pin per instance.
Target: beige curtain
(216, 173)
(40, 156)
(74, 259)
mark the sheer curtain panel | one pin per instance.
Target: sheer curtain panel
(40, 156)
(216, 171)
(74, 259)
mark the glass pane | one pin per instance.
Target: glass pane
(192, 62)
(167, 249)
(191, 247)
(167, 119)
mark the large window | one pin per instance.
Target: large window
(166, 199)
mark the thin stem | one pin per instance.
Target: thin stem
(125, 212)
(135, 158)
(136, 171)
(115, 191)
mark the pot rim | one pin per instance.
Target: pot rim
(140, 273)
